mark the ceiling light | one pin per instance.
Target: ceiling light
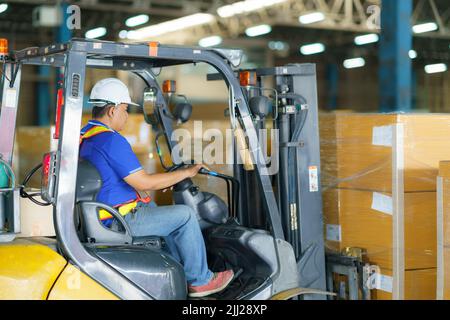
(366, 39)
(95, 33)
(171, 26)
(226, 11)
(313, 48)
(354, 63)
(245, 6)
(137, 20)
(311, 18)
(412, 54)
(278, 45)
(123, 34)
(210, 41)
(3, 7)
(425, 27)
(435, 68)
(258, 30)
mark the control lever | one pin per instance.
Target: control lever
(205, 171)
(232, 205)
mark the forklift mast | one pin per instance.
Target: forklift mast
(297, 158)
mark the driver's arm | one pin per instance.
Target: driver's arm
(142, 181)
(122, 159)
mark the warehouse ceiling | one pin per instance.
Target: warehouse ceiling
(344, 18)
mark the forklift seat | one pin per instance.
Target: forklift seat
(142, 260)
(90, 228)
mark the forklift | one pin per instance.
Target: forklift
(270, 231)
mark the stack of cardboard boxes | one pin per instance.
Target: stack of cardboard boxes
(379, 193)
(443, 231)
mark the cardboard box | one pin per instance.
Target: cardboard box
(364, 219)
(358, 151)
(443, 231)
(444, 281)
(444, 186)
(35, 220)
(419, 285)
(444, 169)
(378, 169)
(31, 145)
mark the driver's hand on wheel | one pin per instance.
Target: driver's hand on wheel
(192, 171)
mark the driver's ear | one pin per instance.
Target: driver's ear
(110, 111)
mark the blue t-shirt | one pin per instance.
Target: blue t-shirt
(114, 159)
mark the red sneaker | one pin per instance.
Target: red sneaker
(219, 281)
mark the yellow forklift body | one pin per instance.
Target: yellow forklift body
(28, 270)
(75, 285)
(32, 271)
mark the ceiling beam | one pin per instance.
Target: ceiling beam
(110, 7)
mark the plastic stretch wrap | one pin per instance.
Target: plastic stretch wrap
(443, 231)
(379, 193)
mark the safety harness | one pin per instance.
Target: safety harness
(123, 208)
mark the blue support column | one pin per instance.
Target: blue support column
(332, 83)
(395, 64)
(64, 33)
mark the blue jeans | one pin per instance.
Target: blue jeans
(179, 227)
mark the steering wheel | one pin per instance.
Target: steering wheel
(31, 196)
(231, 182)
(180, 165)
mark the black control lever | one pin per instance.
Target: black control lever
(205, 171)
(235, 188)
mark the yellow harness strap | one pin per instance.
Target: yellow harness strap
(123, 210)
(95, 130)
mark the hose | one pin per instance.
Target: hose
(291, 164)
(31, 196)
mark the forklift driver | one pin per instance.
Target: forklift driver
(102, 145)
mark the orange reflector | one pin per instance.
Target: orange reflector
(153, 49)
(3, 46)
(169, 86)
(46, 163)
(59, 104)
(247, 78)
(45, 169)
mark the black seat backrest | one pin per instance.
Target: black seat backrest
(88, 185)
(89, 182)
(87, 223)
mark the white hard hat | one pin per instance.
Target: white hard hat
(110, 91)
